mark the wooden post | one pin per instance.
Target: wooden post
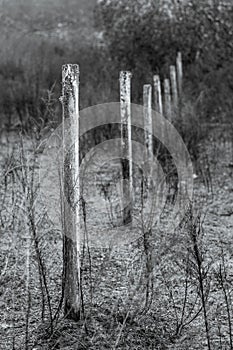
(71, 191)
(126, 145)
(148, 127)
(174, 86)
(179, 73)
(167, 99)
(158, 95)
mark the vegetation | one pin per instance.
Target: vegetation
(165, 288)
(145, 36)
(142, 36)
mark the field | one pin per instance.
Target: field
(114, 263)
(165, 280)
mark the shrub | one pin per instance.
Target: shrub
(144, 36)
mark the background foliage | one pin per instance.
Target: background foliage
(142, 36)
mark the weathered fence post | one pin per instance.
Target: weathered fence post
(179, 73)
(148, 127)
(167, 99)
(71, 191)
(157, 95)
(126, 145)
(174, 86)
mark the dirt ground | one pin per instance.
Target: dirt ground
(113, 270)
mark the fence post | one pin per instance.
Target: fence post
(71, 191)
(148, 127)
(126, 145)
(179, 73)
(158, 95)
(174, 86)
(167, 99)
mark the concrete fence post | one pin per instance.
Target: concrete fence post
(179, 69)
(126, 145)
(167, 99)
(148, 127)
(174, 86)
(157, 94)
(71, 191)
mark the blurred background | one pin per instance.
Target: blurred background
(103, 37)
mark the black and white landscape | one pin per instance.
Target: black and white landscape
(116, 164)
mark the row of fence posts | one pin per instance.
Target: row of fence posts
(165, 104)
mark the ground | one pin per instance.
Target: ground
(114, 269)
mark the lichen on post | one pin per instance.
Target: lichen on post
(71, 191)
(126, 146)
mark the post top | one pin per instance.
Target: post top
(125, 74)
(147, 86)
(70, 70)
(156, 78)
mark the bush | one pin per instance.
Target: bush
(144, 36)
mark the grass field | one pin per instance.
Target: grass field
(114, 264)
(166, 287)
